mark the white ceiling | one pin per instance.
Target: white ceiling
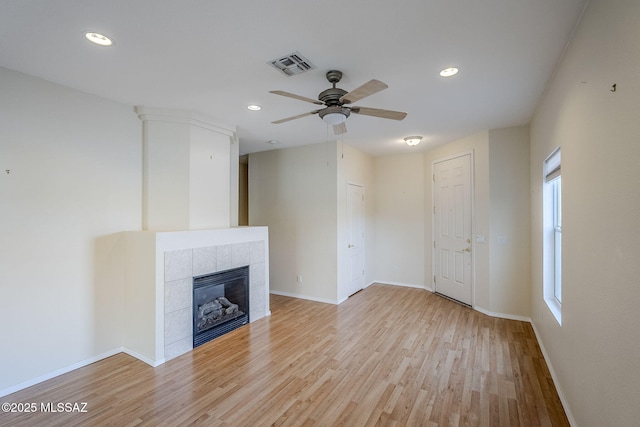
(211, 57)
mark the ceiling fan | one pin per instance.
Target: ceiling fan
(336, 100)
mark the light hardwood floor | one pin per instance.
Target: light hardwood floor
(388, 356)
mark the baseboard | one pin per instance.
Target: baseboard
(300, 296)
(78, 365)
(502, 315)
(141, 357)
(406, 285)
(58, 372)
(563, 400)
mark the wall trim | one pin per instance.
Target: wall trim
(552, 371)
(307, 297)
(185, 117)
(78, 365)
(58, 372)
(406, 285)
(556, 382)
(142, 358)
(502, 315)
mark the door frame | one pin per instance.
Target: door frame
(472, 176)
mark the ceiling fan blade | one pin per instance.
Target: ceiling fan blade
(299, 116)
(377, 112)
(369, 88)
(340, 128)
(294, 96)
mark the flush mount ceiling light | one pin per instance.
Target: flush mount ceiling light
(273, 142)
(254, 107)
(99, 39)
(413, 140)
(449, 72)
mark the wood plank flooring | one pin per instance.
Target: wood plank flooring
(388, 356)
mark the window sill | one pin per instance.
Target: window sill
(555, 308)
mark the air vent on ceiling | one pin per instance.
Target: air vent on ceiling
(292, 64)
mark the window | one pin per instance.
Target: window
(552, 238)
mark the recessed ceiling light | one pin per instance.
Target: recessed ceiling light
(254, 107)
(449, 72)
(99, 39)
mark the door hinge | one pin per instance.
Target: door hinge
(434, 278)
(363, 197)
(434, 244)
(434, 209)
(434, 177)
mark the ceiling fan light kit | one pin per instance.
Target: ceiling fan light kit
(335, 100)
(334, 115)
(334, 118)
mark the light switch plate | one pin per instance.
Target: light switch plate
(480, 239)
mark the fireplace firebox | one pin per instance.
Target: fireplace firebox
(220, 303)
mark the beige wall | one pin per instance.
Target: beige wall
(354, 167)
(479, 145)
(75, 181)
(190, 171)
(290, 191)
(293, 192)
(510, 273)
(595, 353)
(399, 254)
(501, 210)
(243, 194)
(300, 193)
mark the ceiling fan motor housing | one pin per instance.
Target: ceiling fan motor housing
(332, 96)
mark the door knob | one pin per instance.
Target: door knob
(467, 249)
(350, 245)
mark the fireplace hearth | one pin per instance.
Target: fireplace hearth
(220, 303)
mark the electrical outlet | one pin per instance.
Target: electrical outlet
(395, 268)
(299, 278)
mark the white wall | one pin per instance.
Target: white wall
(75, 181)
(399, 254)
(293, 191)
(355, 167)
(595, 353)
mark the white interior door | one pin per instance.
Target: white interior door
(452, 228)
(355, 238)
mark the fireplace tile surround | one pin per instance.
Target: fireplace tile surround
(179, 269)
